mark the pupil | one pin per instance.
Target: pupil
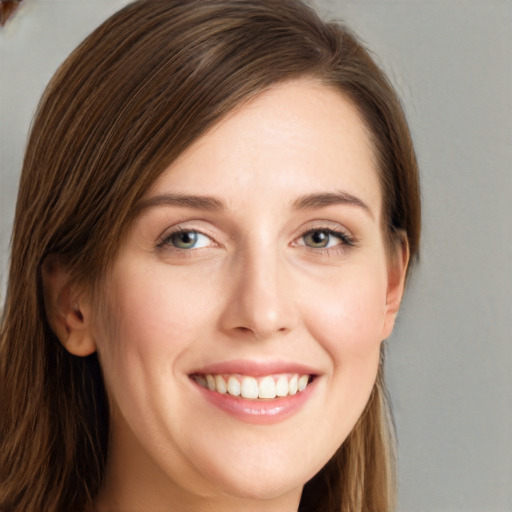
(187, 238)
(319, 238)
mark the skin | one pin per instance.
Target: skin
(254, 287)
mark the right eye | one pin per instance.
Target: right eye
(186, 239)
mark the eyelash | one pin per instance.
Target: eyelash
(346, 241)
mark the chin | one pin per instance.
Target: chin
(266, 475)
(261, 485)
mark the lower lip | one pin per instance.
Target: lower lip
(260, 412)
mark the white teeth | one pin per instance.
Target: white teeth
(220, 384)
(233, 386)
(268, 387)
(249, 387)
(282, 386)
(294, 385)
(303, 382)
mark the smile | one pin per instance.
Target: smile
(254, 388)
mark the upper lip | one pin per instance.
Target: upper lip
(254, 368)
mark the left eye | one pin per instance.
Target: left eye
(322, 239)
(188, 240)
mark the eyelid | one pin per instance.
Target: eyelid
(325, 225)
(342, 235)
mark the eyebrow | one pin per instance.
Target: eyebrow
(215, 204)
(324, 199)
(208, 203)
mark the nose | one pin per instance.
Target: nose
(260, 302)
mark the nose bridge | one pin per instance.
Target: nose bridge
(260, 301)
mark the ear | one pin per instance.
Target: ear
(398, 261)
(67, 311)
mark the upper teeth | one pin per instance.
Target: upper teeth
(270, 386)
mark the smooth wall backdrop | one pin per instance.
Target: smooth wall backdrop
(449, 361)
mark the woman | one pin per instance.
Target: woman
(217, 211)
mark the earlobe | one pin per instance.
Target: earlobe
(397, 270)
(67, 312)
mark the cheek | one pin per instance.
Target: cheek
(152, 323)
(346, 315)
(154, 314)
(145, 326)
(148, 328)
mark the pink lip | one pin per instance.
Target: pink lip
(259, 412)
(255, 368)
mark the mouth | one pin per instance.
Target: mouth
(261, 388)
(257, 392)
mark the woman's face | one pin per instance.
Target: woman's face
(256, 266)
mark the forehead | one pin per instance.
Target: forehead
(297, 136)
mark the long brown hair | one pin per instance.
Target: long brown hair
(127, 102)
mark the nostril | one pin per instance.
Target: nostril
(260, 333)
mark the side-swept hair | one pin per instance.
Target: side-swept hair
(127, 102)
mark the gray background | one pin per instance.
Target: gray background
(450, 358)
